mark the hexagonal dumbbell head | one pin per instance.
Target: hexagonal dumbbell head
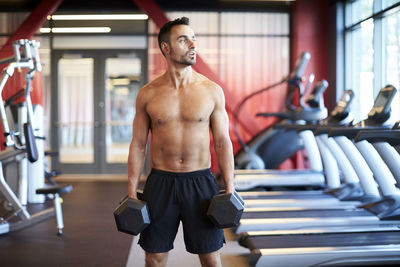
(225, 210)
(131, 216)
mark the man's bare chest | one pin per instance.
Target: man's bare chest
(194, 108)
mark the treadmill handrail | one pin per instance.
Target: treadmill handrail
(350, 132)
(373, 136)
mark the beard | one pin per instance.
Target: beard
(186, 59)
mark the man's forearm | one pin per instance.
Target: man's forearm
(135, 166)
(224, 153)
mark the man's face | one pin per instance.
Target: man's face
(182, 45)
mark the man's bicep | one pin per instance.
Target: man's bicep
(220, 123)
(141, 127)
(219, 118)
(141, 123)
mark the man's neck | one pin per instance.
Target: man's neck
(180, 76)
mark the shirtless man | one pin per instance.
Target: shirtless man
(180, 108)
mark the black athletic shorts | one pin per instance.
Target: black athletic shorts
(174, 197)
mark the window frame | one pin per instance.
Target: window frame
(345, 49)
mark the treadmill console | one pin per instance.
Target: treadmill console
(342, 107)
(381, 110)
(315, 99)
(300, 66)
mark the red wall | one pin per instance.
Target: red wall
(309, 32)
(309, 28)
(17, 82)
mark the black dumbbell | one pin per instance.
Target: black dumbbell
(131, 215)
(225, 210)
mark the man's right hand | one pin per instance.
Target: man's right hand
(137, 195)
(134, 197)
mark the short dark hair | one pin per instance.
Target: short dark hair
(165, 31)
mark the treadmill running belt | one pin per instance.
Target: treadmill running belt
(288, 196)
(305, 214)
(324, 240)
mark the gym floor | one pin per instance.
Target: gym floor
(90, 236)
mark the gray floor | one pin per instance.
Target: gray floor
(232, 255)
(91, 238)
(90, 235)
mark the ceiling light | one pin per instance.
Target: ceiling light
(121, 81)
(100, 17)
(45, 30)
(76, 30)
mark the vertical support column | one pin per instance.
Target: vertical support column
(312, 150)
(59, 216)
(391, 158)
(36, 169)
(22, 160)
(360, 165)
(348, 172)
(330, 165)
(381, 172)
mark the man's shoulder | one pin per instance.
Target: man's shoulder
(154, 84)
(146, 93)
(203, 80)
(151, 88)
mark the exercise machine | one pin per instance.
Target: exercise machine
(259, 219)
(357, 246)
(18, 144)
(249, 179)
(255, 153)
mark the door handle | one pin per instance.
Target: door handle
(98, 124)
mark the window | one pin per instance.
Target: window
(372, 56)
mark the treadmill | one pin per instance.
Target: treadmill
(249, 179)
(246, 179)
(276, 220)
(385, 138)
(285, 200)
(352, 190)
(340, 116)
(385, 148)
(329, 249)
(356, 247)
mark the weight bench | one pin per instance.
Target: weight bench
(56, 191)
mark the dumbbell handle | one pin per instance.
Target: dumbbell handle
(235, 194)
(139, 195)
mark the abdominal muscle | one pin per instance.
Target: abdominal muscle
(181, 148)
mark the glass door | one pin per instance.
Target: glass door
(94, 105)
(123, 79)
